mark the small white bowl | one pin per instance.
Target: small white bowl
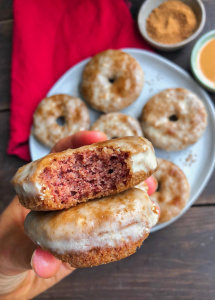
(194, 60)
(147, 7)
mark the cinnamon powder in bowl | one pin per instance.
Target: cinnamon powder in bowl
(171, 22)
(169, 25)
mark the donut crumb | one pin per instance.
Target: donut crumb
(85, 174)
(190, 159)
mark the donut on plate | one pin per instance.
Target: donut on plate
(173, 190)
(61, 180)
(174, 119)
(117, 125)
(111, 81)
(59, 116)
(97, 232)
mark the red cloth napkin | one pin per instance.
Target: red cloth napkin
(51, 36)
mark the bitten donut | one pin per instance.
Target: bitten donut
(112, 80)
(174, 119)
(117, 125)
(97, 232)
(173, 190)
(70, 111)
(61, 180)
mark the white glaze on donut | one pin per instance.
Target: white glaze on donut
(24, 186)
(173, 190)
(72, 109)
(144, 161)
(107, 222)
(169, 135)
(116, 66)
(117, 125)
(142, 186)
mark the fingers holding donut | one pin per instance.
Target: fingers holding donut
(128, 203)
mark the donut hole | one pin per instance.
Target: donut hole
(158, 187)
(61, 121)
(112, 80)
(173, 118)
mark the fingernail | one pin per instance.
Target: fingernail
(44, 264)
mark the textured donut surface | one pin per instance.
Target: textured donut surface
(174, 119)
(173, 191)
(112, 80)
(117, 125)
(71, 109)
(96, 232)
(61, 180)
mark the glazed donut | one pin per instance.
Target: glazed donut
(174, 119)
(173, 190)
(117, 125)
(112, 80)
(71, 111)
(97, 232)
(64, 179)
(142, 186)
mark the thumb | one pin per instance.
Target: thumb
(44, 264)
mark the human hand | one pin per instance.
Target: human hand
(27, 269)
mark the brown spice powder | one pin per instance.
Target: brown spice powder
(171, 22)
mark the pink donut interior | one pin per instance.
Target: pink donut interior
(85, 174)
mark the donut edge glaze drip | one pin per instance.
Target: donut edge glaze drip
(27, 188)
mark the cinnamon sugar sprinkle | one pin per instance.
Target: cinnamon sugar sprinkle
(190, 159)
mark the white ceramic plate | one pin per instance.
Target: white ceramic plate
(197, 161)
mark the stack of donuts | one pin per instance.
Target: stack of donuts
(112, 80)
(58, 189)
